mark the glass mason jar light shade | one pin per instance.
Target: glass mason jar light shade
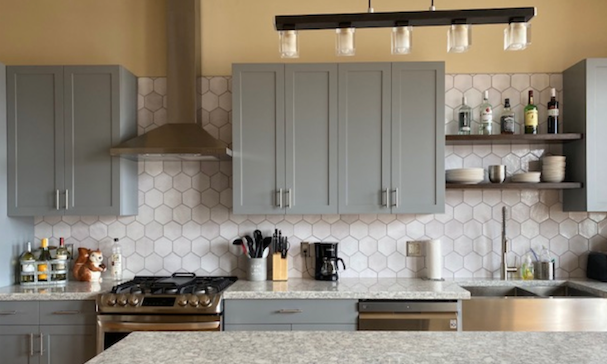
(344, 42)
(517, 36)
(459, 38)
(401, 40)
(288, 44)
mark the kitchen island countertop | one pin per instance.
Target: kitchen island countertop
(357, 347)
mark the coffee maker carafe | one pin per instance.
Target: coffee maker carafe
(326, 262)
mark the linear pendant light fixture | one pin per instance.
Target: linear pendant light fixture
(459, 36)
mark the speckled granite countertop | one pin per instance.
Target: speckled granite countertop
(72, 290)
(357, 347)
(347, 288)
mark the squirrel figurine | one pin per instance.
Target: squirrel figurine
(89, 265)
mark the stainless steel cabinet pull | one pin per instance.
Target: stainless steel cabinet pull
(67, 312)
(289, 310)
(7, 313)
(41, 344)
(288, 198)
(279, 198)
(31, 344)
(395, 195)
(384, 198)
(57, 199)
(67, 199)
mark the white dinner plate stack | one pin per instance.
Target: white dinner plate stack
(553, 168)
(465, 175)
(528, 177)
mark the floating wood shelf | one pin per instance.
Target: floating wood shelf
(511, 138)
(516, 186)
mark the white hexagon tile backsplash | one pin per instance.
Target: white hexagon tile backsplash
(185, 222)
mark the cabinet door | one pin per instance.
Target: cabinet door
(258, 139)
(311, 138)
(92, 125)
(364, 137)
(35, 140)
(68, 344)
(418, 137)
(19, 344)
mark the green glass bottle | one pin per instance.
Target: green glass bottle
(531, 118)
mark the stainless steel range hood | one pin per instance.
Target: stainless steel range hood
(181, 138)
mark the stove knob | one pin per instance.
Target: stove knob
(193, 301)
(122, 300)
(182, 301)
(133, 300)
(205, 300)
(110, 299)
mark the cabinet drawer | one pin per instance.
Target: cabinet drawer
(67, 313)
(291, 312)
(19, 313)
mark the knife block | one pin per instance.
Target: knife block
(280, 268)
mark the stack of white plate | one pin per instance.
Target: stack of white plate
(465, 175)
(553, 168)
(529, 177)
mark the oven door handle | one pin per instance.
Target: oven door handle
(156, 326)
(407, 316)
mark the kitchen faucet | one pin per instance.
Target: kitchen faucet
(504, 268)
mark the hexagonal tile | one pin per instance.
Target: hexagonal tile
(473, 229)
(520, 82)
(367, 246)
(191, 262)
(228, 262)
(145, 85)
(463, 245)
(201, 182)
(453, 98)
(500, 82)
(473, 262)
(454, 262)
(98, 231)
(520, 213)
(378, 262)
(201, 246)
(549, 229)
(163, 247)
(153, 198)
(210, 101)
(218, 85)
(358, 262)
(209, 262)
(568, 228)
(396, 262)
(80, 231)
(416, 230)
(482, 213)
(540, 81)
(454, 229)
(588, 228)
(348, 246)
(209, 198)
(153, 101)
(491, 197)
(481, 82)
(153, 263)
(397, 229)
(209, 230)
(434, 229)
(134, 263)
(568, 262)
(182, 246)
(201, 214)
(163, 214)
(115, 230)
(530, 229)
(302, 230)
(183, 214)
(160, 117)
(172, 230)
(482, 246)
(219, 117)
(462, 82)
(340, 229)
(386, 246)
(462, 213)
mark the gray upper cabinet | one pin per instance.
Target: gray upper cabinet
(62, 122)
(346, 138)
(364, 137)
(284, 132)
(585, 97)
(418, 137)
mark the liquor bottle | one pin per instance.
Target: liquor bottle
(45, 256)
(27, 260)
(531, 119)
(507, 119)
(62, 256)
(116, 261)
(464, 116)
(486, 126)
(553, 113)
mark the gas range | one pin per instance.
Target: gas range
(181, 293)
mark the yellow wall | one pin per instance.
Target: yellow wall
(131, 33)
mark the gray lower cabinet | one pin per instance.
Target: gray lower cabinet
(585, 97)
(391, 137)
(285, 315)
(285, 132)
(47, 332)
(62, 122)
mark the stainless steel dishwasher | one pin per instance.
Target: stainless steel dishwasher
(398, 315)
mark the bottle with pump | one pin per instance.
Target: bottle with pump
(553, 113)
(116, 261)
(45, 256)
(486, 127)
(507, 119)
(27, 260)
(464, 117)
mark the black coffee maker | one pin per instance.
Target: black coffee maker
(326, 262)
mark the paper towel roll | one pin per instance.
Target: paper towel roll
(434, 259)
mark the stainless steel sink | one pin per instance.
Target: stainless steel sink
(497, 291)
(533, 308)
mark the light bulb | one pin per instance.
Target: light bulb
(517, 36)
(344, 42)
(459, 38)
(401, 40)
(288, 44)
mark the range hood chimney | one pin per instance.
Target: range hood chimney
(181, 138)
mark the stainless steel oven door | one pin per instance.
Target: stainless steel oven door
(112, 328)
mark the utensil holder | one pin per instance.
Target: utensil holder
(257, 269)
(544, 270)
(280, 268)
